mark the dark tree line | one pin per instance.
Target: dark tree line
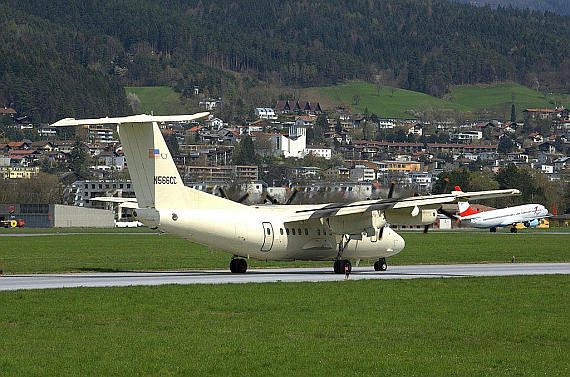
(93, 47)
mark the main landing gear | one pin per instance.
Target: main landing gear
(238, 266)
(340, 265)
(380, 265)
(493, 230)
(513, 229)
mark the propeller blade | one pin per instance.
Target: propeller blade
(243, 197)
(381, 233)
(445, 186)
(272, 200)
(222, 192)
(446, 213)
(391, 191)
(295, 191)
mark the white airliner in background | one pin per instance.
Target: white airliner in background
(527, 214)
(337, 232)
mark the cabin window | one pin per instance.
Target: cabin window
(281, 231)
(324, 232)
(318, 232)
(287, 230)
(293, 231)
(299, 231)
(306, 232)
(268, 231)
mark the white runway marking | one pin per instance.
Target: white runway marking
(120, 279)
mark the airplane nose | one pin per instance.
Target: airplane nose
(399, 243)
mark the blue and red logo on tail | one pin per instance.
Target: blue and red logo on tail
(153, 153)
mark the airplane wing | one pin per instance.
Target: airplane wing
(341, 209)
(140, 119)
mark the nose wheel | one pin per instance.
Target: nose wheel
(340, 265)
(380, 265)
(238, 266)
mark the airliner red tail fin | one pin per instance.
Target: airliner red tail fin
(465, 209)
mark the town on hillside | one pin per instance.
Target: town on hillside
(294, 146)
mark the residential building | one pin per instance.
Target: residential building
(18, 172)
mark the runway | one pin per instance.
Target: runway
(121, 279)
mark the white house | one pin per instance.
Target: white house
(215, 124)
(466, 136)
(318, 151)
(361, 173)
(265, 113)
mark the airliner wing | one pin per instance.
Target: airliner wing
(123, 202)
(341, 209)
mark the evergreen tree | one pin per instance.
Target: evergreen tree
(513, 113)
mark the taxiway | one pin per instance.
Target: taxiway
(128, 278)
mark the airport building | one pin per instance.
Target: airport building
(57, 215)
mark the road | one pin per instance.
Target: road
(120, 279)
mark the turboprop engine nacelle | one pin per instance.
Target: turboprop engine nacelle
(147, 216)
(358, 223)
(414, 216)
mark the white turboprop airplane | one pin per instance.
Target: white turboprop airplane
(336, 232)
(527, 214)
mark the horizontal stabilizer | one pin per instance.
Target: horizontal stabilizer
(142, 118)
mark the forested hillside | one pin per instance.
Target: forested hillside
(557, 6)
(424, 45)
(45, 73)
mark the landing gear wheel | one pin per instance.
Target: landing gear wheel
(380, 265)
(339, 266)
(513, 230)
(493, 230)
(238, 266)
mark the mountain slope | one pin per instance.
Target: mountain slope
(422, 45)
(556, 6)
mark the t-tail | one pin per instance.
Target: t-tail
(154, 175)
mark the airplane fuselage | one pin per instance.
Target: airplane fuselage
(527, 213)
(260, 233)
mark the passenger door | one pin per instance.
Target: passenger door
(267, 237)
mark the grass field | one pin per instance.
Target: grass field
(161, 100)
(495, 99)
(508, 326)
(498, 98)
(91, 252)
(386, 104)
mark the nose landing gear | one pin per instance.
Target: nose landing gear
(380, 265)
(340, 265)
(238, 266)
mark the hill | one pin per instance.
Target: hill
(482, 100)
(556, 6)
(421, 45)
(160, 100)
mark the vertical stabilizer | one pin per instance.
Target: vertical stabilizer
(465, 209)
(155, 177)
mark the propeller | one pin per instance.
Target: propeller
(391, 191)
(225, 196)
(290, 199)
(272, 200)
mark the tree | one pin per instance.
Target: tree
(505, 145)
(80, 160)
(172, 143)
(356, 99)
(513, 113)
(244, 153)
